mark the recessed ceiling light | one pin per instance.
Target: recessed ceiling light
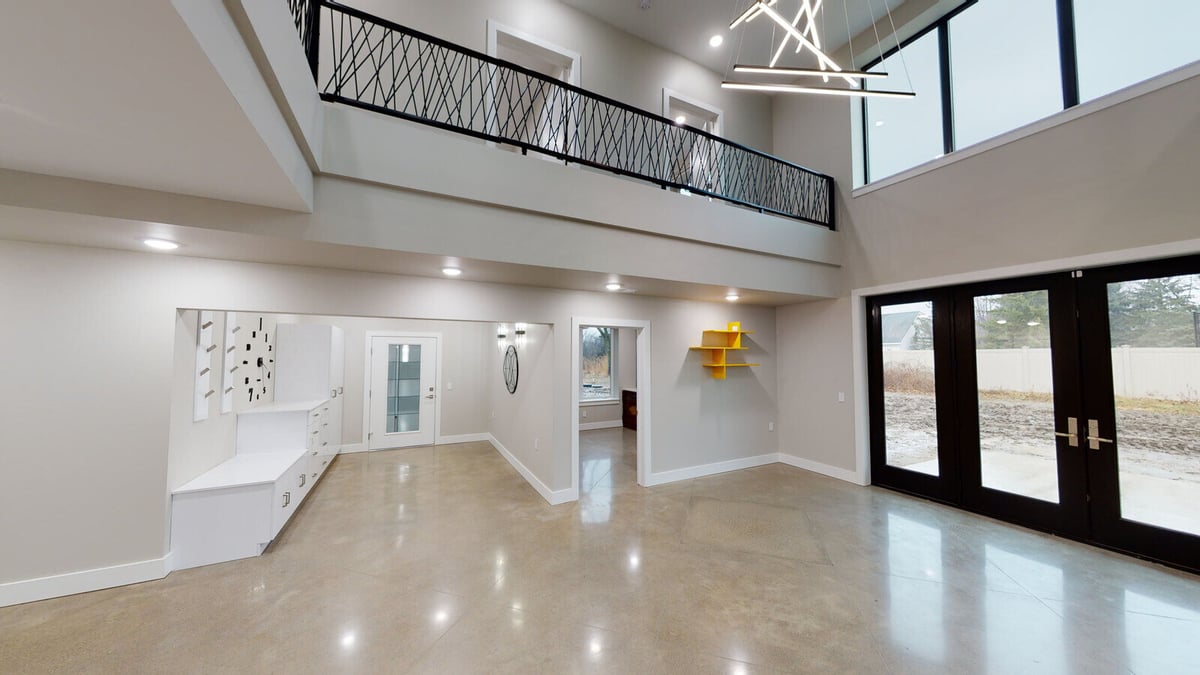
(682, 119)
(451, 271)
(732, 297)
(613, 287)
(161, 244)
(716, 40)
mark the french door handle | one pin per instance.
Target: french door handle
(1094, 439)
(429, 396)
(1072, 432)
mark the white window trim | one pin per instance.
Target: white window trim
(495, 29)
(1096, 105)
(670, 94)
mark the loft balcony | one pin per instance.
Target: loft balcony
(367, 62)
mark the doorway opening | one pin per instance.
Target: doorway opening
(611, 400)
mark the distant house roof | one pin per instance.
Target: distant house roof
(896, 326)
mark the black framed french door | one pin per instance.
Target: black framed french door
(1018, 398)
(1066, 402)
(911, 387)
(1140, 342)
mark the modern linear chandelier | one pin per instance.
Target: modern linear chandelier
(803, 30)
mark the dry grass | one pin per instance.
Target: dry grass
(908, 377)
(1157, 405)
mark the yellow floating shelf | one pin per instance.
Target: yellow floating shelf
(718, 343)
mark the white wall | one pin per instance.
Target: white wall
(615, 64)
(521, 421)
(1116, 179)
(95, 489)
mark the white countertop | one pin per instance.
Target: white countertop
(244, 469)
(285, 406)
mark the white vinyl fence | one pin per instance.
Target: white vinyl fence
(1171, 374)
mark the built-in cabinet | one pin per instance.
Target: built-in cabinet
(282, 449)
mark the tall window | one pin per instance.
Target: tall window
(1005, 65)
(1121, 43)
(908, 132)
(598, 381)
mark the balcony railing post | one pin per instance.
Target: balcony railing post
(313, 34)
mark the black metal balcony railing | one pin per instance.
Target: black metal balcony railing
(364, 61)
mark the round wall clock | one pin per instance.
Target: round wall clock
(510, 369)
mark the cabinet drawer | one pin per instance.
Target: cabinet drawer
(289, 490)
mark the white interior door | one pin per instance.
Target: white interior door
(403, 395)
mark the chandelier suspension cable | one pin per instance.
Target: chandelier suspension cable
(903, 63)
(850, 37)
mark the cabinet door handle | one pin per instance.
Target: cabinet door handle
(314, 453)
(287, 499)
(324, 444)
(303, 479)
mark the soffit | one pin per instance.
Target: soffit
(121, 92)
(56, 227)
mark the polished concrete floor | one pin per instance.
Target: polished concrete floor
(442, 560)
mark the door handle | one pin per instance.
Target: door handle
(429, 396)
(1094, 439)
(1072, 432)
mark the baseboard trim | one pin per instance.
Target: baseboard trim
(589, 426)
(462, 438)
(84, 581)
(702, 470)
(551, 496)
(353, 448)
(823, 469)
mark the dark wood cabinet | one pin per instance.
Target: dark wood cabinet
(629, 408)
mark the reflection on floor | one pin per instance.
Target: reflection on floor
(442, 560)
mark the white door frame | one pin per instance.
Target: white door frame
(643, 390)
(437, 378)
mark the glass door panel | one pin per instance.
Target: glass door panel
(909, 387)
(1154, 332)
(1015, 385)
(404, 388)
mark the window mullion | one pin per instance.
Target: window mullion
(1067, 53)
(947, 93)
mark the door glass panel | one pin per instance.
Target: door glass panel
(1018, 453)
(404, 388)
(1154, 325)
(909, 392)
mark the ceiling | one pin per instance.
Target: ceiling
(685, 26)
(57, 227)
(121, 92)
